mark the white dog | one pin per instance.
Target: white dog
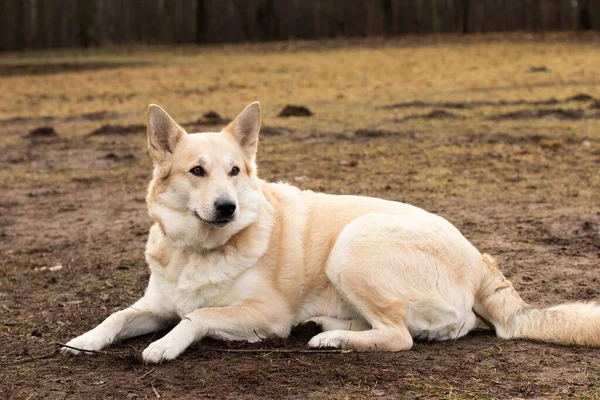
(236, 258)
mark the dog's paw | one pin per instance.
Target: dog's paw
(331, 339)
(165, 349)
(88, 343)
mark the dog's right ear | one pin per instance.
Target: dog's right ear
(163, 134)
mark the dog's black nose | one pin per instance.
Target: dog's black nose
(225, 208)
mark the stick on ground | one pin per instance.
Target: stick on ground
(82, 350)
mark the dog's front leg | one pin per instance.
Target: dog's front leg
(243, 322)
(133, 321)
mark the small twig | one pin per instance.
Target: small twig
(147, 373)
(188, 318)
(78, 349)
(332, 351)
(256, 333)
(155, 391)
(458, 333)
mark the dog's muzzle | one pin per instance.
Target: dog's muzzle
(218, 222)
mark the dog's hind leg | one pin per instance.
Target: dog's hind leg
(405, 275)
(391, 335)
(133, 321)
(331, 323)
(361, 274)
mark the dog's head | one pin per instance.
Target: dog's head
(204, 189)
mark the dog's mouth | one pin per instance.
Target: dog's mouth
(219, 223)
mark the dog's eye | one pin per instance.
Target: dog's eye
(234, 171)
(198, 171)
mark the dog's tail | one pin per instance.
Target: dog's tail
(500, 306)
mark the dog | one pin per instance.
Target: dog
(233, 257)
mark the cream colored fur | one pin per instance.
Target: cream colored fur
(373, 273)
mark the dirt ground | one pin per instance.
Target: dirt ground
(513, 165)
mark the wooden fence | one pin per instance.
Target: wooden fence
(60, 23)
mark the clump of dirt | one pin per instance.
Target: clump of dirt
(119, 130)
(440, 114)
(117, 157)
(554, 113)
(434, 114)
(210, 118)
(371, 133)
(580, 97)
(43, 132)
(541, 68)
(295, 111)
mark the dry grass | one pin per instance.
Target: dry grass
(343, 84)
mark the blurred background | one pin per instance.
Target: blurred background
(61, 23)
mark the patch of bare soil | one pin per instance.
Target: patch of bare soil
(580, 97)
(541, 68)
(79, 204)
(57, 68)
(552, 113)
(372, 133)
(119, 130)
(434, 114)
(94, 116)
(275, 131)
(295, 111)
(210, 118)
(137, 129)
(43, 132)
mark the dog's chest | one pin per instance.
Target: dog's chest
(192, 281)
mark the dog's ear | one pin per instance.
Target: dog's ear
(245, 128)
(163, 134)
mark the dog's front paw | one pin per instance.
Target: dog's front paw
(88, 343)
(165, 349)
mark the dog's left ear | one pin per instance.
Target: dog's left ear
(163, 134)
(245, 128)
